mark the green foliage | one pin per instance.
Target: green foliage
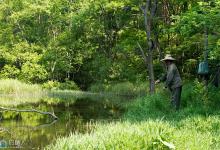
(9, 71)
(152, 134)
(196, 93)
(213, 96)
(51, 85)
(14, 92)
(67, 85)
(122, 88)
(148, 106)
(98, 87)
(189, 28)
(9, 86)
(200, 92)
(96, 41)
(61, 39)
(125, 88)
(33, 73)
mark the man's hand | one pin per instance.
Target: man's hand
(157, 81)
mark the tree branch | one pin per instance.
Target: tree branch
(142, 53)
(154, 9)
(30, 110)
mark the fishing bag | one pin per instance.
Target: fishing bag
(203, 68)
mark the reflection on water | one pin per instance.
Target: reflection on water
(35, 131)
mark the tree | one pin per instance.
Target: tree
(149, 11)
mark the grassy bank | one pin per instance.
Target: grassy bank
(151, 134)
(148, 123)
(9, 86)
(151, 123)
(121, 88)
(14, 93)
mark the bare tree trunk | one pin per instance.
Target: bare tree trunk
(149, 12)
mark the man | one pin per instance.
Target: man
(172, 80)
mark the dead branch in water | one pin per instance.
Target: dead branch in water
(29, 110)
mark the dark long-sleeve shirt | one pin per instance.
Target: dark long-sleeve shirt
(172, 77)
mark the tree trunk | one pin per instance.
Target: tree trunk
(149, 12)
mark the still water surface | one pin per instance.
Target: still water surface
(35, 131)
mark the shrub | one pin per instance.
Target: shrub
(148, 106)
(196, 94)
(51, 85)
(188, 96)
(55, 85)
(33, 73)
(122, 88)
(125, 88)
(98, 87)
(9, 71)
(68, 85)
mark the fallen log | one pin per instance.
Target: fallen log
(29, 110)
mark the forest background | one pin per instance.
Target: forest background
(85, 42)
(113, 47)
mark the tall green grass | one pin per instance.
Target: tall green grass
(151, 123)
(14, 92)
(9, 86)
(151, 106)
(151, 134)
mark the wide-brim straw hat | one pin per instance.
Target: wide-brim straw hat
(168, 57)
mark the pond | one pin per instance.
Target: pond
(35, 131)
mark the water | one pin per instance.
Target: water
(35, 131)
